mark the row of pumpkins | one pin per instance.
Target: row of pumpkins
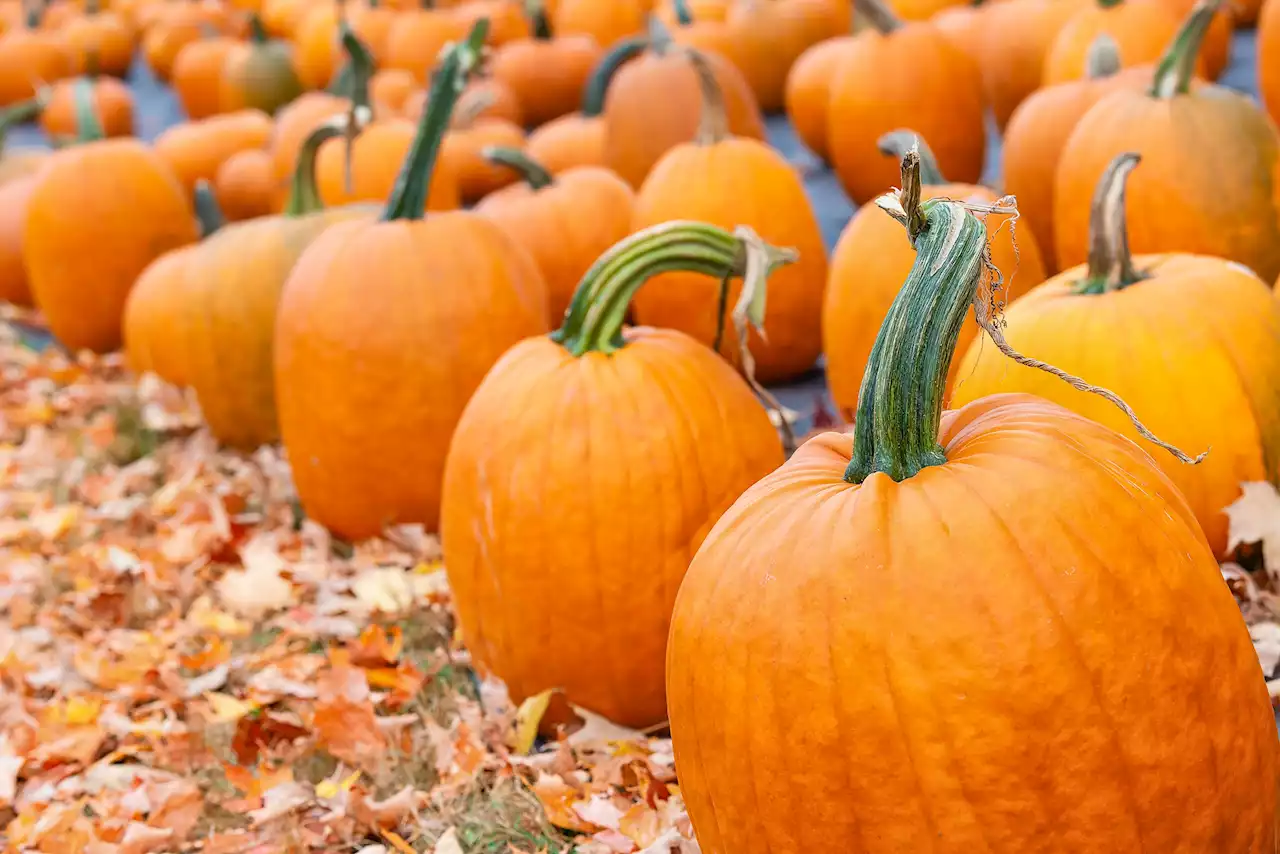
(997, 628)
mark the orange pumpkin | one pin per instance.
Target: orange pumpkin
(1141, 29)
(1208, 326)
(871, 260)
(1210, 158)
(965, 27)
(316, 51)
(574, 384)
(565, 221)
(727, 181)
(28, 56)
(1018, 36)
(391, 87)
(417, 38)
(1047, 555)
(653, 103)
(246, 185)
(898, 74)
(1215, 53)
(99, 213)
(463, 155)
(481, 99)
(546, 73)
(382, 288)
(15, 195)
(258, 75)
(182, 24)
(100, 41)
(112, 103)
(808, 94)
(295, 123)
(1268, 46)
(375, 158)
(196, 150)
(607, 23)
(372, 22)
(507, 19)
(197, 75)
(770, 35)
(233, 286)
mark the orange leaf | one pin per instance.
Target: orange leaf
(377, 647)
(344, 721)
(557, 798)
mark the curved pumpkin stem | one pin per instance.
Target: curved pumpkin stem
(1103, 58)
(594, 320)
(713, 123)
(471, 105)
(21, 113)
(1110, 263)
(659, 36)
(539, 24)
(880, 16)
(88, 125)
(304, 196)
(896, 143)
(352, 79)
(531, 171)
(257, 32)
(598, 83)
(1178, 65)
(208, 212)
(409, 196)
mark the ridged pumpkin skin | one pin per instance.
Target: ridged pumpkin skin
(568, 142)
(565, 226)
(631, 445)
(384, 331)
(98, 215)
(28, 56)
(808, 92)
(246, 185)
(197, 75)
(913, 77)
(1205, 186)
(375, 162)
(653, 104)
(870, 262)
(196, 150)
(102, 40)
(233, 287)
(730, 183)
(14, 198)
(157, 320)
(984, 660)
(112, 104)
(1017, 38)
(547, 76)
(1207, 329)
(770, 35)
(1142, 29)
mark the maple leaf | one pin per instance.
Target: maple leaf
(258, 588)
(1254, 517)
(344, 720)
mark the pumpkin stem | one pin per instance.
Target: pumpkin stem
(257, 32)
(208, 212)
(471, 105)
(1103, 58)
(352, 80)
(598, 83)
(1178, 65)
(21, 113)
(34, 15)
(88, 125)
(896, 143)
(593, 322)
(531, 171)
(460, 60)
(879, 15)
(713, 123)
(1110, 264)
(536, 12)
(304, 196)
(684, 15)
(659, 36)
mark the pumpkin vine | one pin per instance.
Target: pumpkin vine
(531, 171)
(1178, 64)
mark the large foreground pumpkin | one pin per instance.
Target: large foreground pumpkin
(995, 629)
(385, 328)
(1161, 331)
(564, 533)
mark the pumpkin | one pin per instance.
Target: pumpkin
(29, 56)
(1215, 53)
(508, 21)
(565, 221)
(924, 10)
(1140, 28)
(1209, 164)
(463, 154)
(964, 26)
(417, 38)
(234, 284)
(182, 24)
(709, 34)
(482, 99)
(808, 92)
(1268, 47)
(372, 23)
(295, 123)
(1038, 130)
(1245, 13)
(770, 35)
(507, 571)
(392, 87)
(607, 23)
(100, 41)
(281, 18)
(898, 74)
(726, 180)
(259, 75)
(197, 75)
(196, 150)
(112, 103)
(365, 409)
(1018, 36)
(915, 605)
(871, 260)
(158, 321)
(677, 13)
(654, 102)
(316, 51)
(99, 213)
(15, 195)
(1208, 326)
(246, 186)
(546, 73)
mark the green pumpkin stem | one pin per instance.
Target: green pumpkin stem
(531, 171)
(208, 211)
(1103, 58)
(88, 125)
(539, 23)
(352, 80)
(257, 32)
(594, 320)
(896, 144)
(460, 60)
(602, 75)
(21, 113)
(1178, 65)
(1110, 266)
(659, 36)
(304, 195)
(713, 123)
(684, 15)
(34, 14)
(879, 15)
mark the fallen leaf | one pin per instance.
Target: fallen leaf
(448, 843)
(558, 798)
(1254, 517)
(281, 800)
(344, 722)
(1266, 643)
(258, 588)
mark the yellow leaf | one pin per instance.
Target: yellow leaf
(82, 710)
(330, 788)
(227, 708)
(528, 716)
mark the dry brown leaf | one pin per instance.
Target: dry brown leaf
(1254, 517)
